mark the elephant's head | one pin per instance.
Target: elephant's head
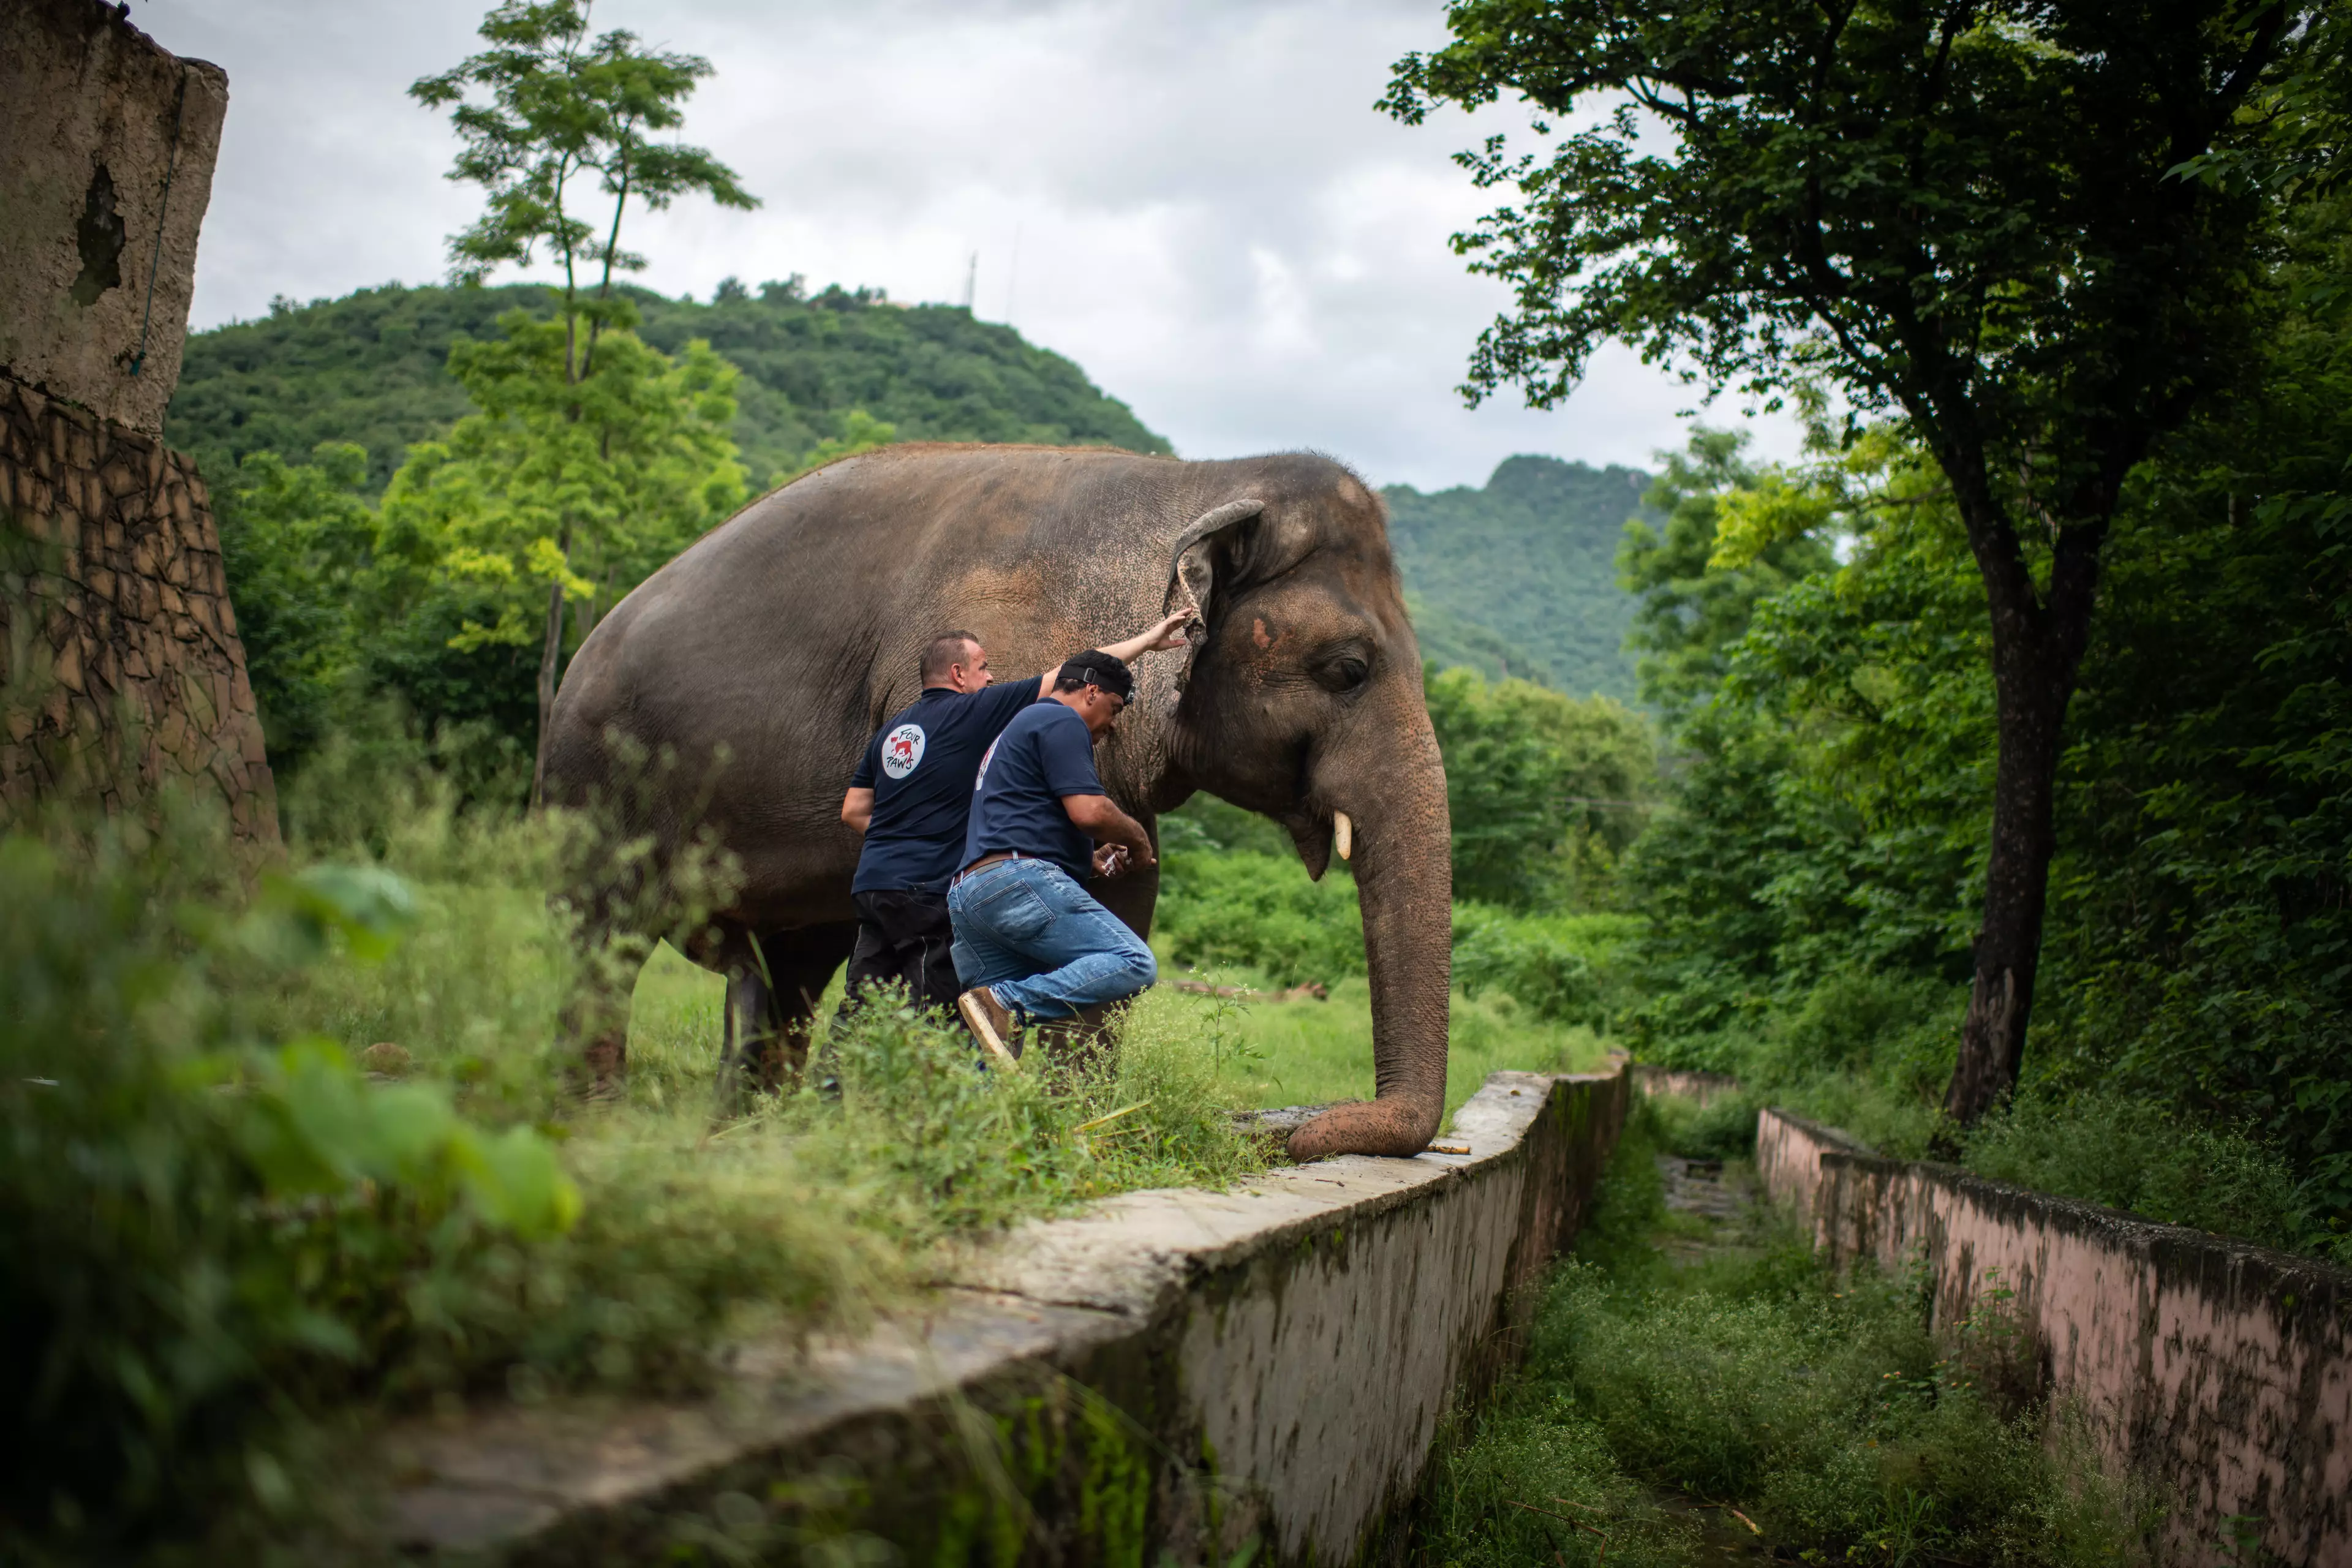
(1304, 701)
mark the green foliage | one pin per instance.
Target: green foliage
(1980, 218)
(437, 600)
(1259, 911)
(1831, 803)
(296, 541)
(590, 482)
(372, 368)
(248, 1247)
(1545, 790)
(1968, 212)
(1693, 605)
(1513, 579)
(2136, 1155)
(228, 1230)
(1568, 968)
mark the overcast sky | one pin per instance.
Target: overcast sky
(1196, 202)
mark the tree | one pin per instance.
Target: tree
(1689, 616)
(1973, 211)
(296, 541)
(560, 108)
(1544, 791)
(558, 491)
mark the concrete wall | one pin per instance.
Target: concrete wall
(95, 121)
(120, 669)
(2223, 1370)
(1699, 1088)
(1172, 1371)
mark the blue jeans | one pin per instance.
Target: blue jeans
(1028, 932)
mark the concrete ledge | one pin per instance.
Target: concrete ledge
(1172, 1372)
(2223, 1370)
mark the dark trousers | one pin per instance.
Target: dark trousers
(906, 937)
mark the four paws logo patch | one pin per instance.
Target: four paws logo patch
(902, 748)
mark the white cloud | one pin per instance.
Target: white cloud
(1196, 203)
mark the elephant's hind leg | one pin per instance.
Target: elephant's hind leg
(771, 994)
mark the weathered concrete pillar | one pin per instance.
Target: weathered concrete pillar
(121, 671)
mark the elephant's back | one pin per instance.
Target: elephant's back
(784, 634)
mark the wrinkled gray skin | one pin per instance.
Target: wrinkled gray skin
(781, 640)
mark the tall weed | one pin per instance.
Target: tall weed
(241, 1237)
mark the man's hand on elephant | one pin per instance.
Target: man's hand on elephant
(1170, 632)
(1167, 633)
(1110, 859)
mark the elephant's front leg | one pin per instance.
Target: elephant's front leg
(772, 987)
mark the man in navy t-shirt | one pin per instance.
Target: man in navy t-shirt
(909, 797)
(1030, 940)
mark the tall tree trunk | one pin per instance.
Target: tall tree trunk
(2031, 703)
(2038, 638)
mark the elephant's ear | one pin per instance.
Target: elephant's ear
(1191, 565)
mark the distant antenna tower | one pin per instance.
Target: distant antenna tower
(971, 282)
(1012, 275)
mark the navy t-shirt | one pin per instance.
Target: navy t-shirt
(920, 768)
(1045, 753)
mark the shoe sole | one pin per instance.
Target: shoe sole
(975, 1018)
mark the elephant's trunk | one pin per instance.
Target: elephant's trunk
(1404, 879)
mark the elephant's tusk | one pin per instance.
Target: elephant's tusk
(1345, 832)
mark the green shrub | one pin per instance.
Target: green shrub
(1258, 911)
(1562, 967)
(211, 1230)
(2133, 1155)
(246, 1247)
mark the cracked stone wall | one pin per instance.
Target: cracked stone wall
(121, 671)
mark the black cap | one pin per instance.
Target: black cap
(1095, 668)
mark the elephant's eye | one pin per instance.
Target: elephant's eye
(1346, 673)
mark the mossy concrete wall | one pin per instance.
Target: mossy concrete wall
(2222, 1369)
(106, 145)
(1174, 1373)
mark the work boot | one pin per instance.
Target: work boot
(991, 1023)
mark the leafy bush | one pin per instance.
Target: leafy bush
(224, 1229)
(1562, 967)
(2138, 1155)
(245, 1243)
(1259, 911)
(1545, 790)
(1865, 1050)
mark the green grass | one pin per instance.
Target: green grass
(248, 1245)
(1657, 1397)
(1271, 1053)
(1260, 1052)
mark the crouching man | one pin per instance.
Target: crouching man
(911, 797)
(1031, 944)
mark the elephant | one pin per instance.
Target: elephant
(772, 649)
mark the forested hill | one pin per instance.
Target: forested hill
(370, 368)
(1521, 577)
